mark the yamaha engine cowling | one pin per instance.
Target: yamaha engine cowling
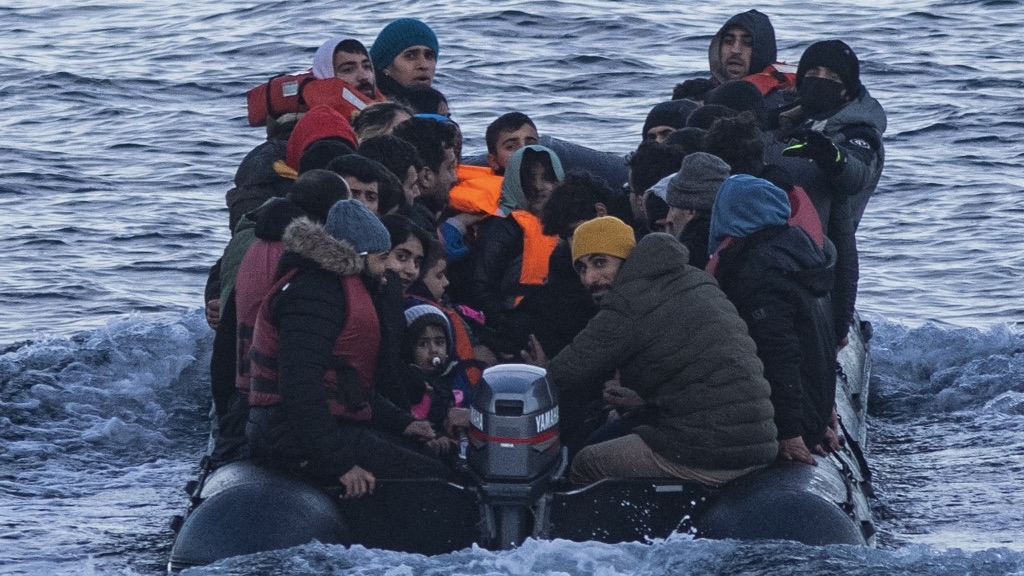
(515, 452)
(514, 416)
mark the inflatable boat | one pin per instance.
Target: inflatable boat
(514, 490)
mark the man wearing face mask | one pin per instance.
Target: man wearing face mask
(830, 142)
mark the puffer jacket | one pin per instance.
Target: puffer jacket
(680, 344)
(309, 315)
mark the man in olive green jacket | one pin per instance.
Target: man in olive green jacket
(680, 345)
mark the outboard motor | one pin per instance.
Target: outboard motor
(514, 450)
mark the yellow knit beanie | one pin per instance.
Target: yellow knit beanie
(603, 235)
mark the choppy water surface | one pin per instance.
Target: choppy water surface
(124, 123)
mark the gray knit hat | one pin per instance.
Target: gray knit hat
(697, 182)
(353, 222)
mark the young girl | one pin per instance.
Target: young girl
(471, 355)
(428, 349)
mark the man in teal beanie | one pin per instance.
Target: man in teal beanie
(405, 56)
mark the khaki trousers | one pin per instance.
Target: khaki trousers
(630, 457)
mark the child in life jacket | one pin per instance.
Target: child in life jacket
(428, 349)
(464, 322)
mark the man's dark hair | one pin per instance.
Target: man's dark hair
(351, 46)
(509, 122)
(390, 194)
(358, 167)
(737, 140)
(320, 153)
(704, 116)
(693, 89)
(424, 99)
(740, 95)
(395, 154)
(652, 162)
(315, 191)
(689, 139)
(573, 200)
(429, 137)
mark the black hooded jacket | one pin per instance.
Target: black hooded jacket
(762, 35)
(256, 181)
(780, 282)
(764, 52)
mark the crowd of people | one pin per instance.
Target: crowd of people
(689, 316)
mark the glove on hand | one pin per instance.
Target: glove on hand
(817, 147)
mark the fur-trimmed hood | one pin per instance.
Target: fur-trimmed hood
(311, 241)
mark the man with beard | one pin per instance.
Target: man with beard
(744, 49)
(434, 140)
(347, 59)
(681, 351)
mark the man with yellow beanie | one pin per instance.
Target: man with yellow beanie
(679, 344)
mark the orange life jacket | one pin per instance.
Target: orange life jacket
(776, 76)
(477, 190)
(287, 93)
(537, 249)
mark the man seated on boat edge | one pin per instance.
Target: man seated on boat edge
(780, 280)
(830, 143)
(314, 410)
(248, 270)
(679, 343)
(342, 58)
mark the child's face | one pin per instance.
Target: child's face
(436, 279)
(405, 260)
(432, 344)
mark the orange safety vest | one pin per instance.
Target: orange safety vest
(776, 76)
(477, 190)
(537, 249)
(287, 93)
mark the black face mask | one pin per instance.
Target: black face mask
(819, 95)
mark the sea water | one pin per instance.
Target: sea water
(123, 123)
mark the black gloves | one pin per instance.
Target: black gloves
(817, 147)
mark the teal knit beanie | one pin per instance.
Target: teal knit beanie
(399, 36)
